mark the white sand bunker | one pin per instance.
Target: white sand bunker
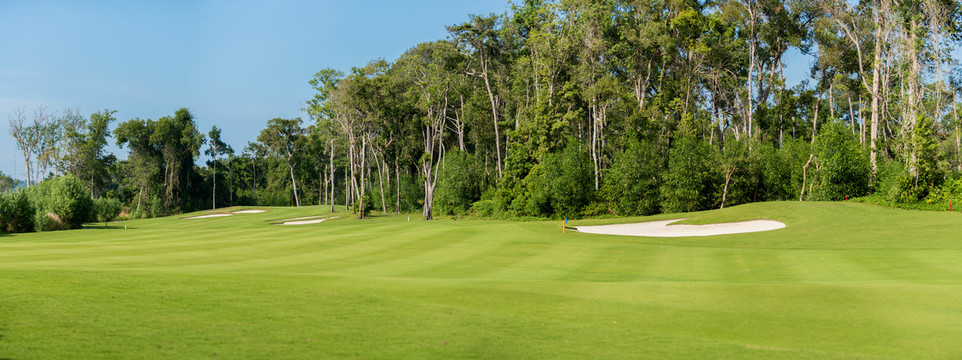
(208, 216)
(662, 229)
(298, 221)
(223, 215)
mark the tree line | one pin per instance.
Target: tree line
(576, 108)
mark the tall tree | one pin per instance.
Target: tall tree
(145, 158)
(179, 141)
(480, 33)
(81, 150)
(322, 109)
(431, 66)
(215, 148)
(285, 138)
(32, 139)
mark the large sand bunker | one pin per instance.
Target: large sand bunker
(298, 221)
(662, 229)
(226, 214)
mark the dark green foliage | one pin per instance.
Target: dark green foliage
(368, 205)
(948, 196)
(740, 162)
(843, 168)
(6, 182)
(161, 162)
(412, 194)
(776, 173)
(66, 199)
(561, 186)
(484, 208)
(631, 185)
(16, 212)
(106, 209)
(513, 192)
(459, 185)
(781, 169)
(548, 104)
(691, 181)
(887, 181)
(927, 174)
(949, 193)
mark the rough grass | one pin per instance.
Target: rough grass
(843, 280)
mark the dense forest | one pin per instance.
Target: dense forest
(565, 108)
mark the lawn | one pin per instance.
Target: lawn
(842, 281)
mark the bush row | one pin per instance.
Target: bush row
(644, 178)
(55, 204)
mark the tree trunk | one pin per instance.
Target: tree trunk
(254, 170)
(728, 178)
(876, 79)
(752, 52)
(459, 126)
(594, 139)
(815, 118)
(494, 112)
(831, 99)
(397, 185)
(297, 199)
(914, 96)
(380, 181)
(851, 116)
(26, 161)
(360, 197)
(333, 171)
(861, 120)
(213, 198)
(230, 180)
(958, 130)
(811, 157)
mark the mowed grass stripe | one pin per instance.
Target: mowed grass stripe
(389, 288)
(611, 263)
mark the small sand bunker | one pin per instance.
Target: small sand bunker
(247, 212)
(663, 229)
(295, 221)
(208, 216)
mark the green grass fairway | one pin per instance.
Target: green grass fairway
(842, 281)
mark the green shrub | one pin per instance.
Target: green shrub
(843, 168)
(16, 212)
(741, 159)
(887, 180)
(156, 207)
(484, 208)
(368, 204)
(562, 185)
(691, 181)
(459, 184)
(66, 198)
(776, 173)
(106, 209)
(631, 184)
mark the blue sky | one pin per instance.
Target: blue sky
(234, 64)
